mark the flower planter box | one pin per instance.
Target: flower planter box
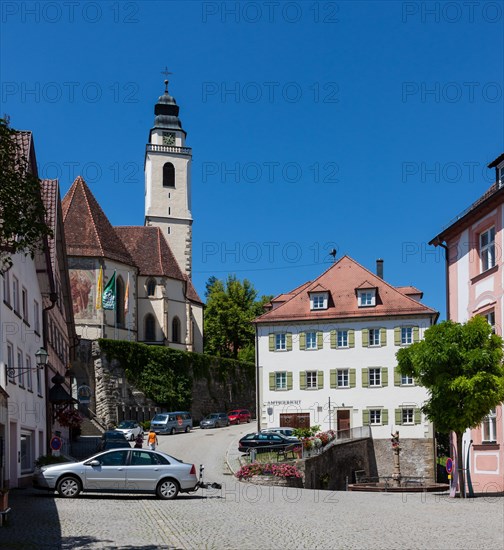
(277, 481)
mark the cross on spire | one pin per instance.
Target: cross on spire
(166, 72)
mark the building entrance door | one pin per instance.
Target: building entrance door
(295, 420)
(343, 423)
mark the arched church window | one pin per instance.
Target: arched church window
(151, 287)
(176, 330)
(120, 301)
(150, 328)
(168, 175)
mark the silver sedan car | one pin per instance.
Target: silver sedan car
(120, 470)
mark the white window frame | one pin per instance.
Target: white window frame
(366, 298)
(38, 373)
(281, 341)
(408, 416)
(20, 367)
(36, 317)
(6, 288)
(29, 379)
(281, 380)
(27, 451)
(489, 427)
(487, 249)
(407, 380)
(375, 417)
(24, 304)
(10, 361)
(15, 294)
(490, 318)
(406, 336)
(375, 377)
(500, 176)
(318, 301)
(311, 380)
(374, 337)
(343, 378)
(342, 336)
(311, 340)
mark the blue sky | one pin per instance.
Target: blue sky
(360, 126)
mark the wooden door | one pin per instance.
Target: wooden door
(343, 423)
(295, 420)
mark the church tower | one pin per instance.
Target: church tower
(168, 180)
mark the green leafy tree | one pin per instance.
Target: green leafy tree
(22, 221)
(230, 308)
(461, 367)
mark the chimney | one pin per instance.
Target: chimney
(379, 268)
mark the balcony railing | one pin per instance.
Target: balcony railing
(151, 147)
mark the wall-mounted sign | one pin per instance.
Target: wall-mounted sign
(84, 394)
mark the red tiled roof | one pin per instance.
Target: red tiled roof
(149, 251)
(49, 189)
(25, 147)
(409, 290)
(341, 280)
(191, 293)
(88, 231)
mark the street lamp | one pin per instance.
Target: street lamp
(41, 359)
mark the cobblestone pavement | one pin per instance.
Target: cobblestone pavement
(246, 516)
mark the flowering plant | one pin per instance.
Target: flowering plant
(317, 442)
(308, 443)
(277, 470)
(70, 418)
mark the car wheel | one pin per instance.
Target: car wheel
(228, 424)
(167, 489)
(172, 431)
(69, 487)
(187, 429)
(248, 420)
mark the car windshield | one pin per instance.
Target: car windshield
(159, 418)
(126, 424)
(212, 416)
(113, 435)
(233, 413)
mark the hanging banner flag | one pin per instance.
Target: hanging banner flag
(126, 297)
(109, 294)
(99, 289)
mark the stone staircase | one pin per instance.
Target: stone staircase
(90, 427)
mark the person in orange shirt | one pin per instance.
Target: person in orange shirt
(152, 439)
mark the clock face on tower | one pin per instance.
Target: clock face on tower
(168, 138)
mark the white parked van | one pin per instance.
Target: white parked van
(172, 422)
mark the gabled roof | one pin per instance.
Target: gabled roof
(50, 191)
(341, 280)
(26, 148)
(318, 288)
(150, 251)
(88, 231)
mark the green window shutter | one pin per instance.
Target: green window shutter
(365, 337)
(320, 379)
(384, 417)
(352, 378)
(384, 376)
(397, 377)
(333, 339)
(351, 338)
(365, 417)
(383, 337)
(333, 379)
(302, 380)
(272, 381)
(288, 338)
(320, 340)
(416, 334)
(302, 340)
(418, 416)
(397, 336)
(365, 378)
(272, 342)
(398, 416)
(289, 380)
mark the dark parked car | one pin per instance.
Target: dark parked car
(215, 420)
(239, 415)
(113, 440)
(265, 441)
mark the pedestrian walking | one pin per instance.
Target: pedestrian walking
(139, 441)
(152, 440)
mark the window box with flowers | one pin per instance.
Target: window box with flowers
(72, 419)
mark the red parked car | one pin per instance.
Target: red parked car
(239, 415)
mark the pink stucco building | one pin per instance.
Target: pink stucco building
(474, 242)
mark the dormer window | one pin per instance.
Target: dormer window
(367, 297)
(318, 300)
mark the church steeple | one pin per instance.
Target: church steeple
(168, 180)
